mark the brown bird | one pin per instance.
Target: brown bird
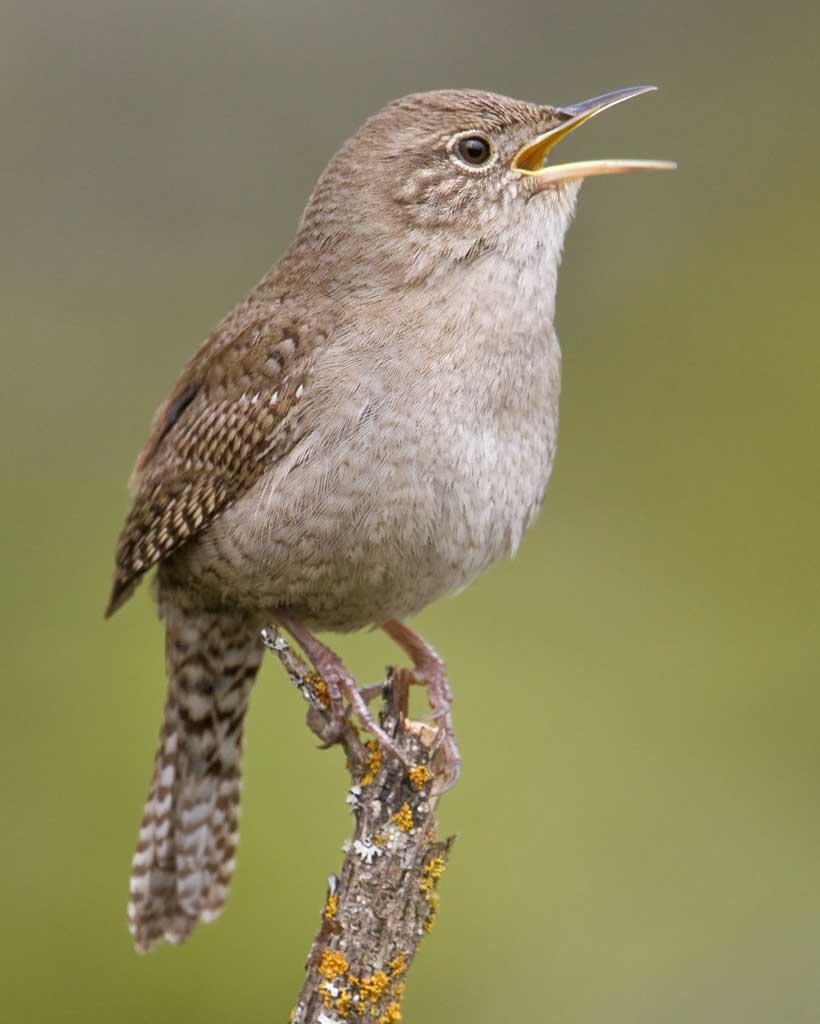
(370, 429)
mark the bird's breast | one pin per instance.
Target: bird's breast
(494, 425)
(430, 453)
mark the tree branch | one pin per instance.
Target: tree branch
(384, 900)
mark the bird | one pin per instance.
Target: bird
(371, 428)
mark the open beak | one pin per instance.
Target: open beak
(531, 159)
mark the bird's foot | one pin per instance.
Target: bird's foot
(371, 692)
(429, 670)
(341, 688)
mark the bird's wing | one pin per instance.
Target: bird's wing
(233, 411)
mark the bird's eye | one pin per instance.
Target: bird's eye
(474, 150)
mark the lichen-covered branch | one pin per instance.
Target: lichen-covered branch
(384, 900)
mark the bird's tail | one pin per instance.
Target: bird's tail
(182, 869)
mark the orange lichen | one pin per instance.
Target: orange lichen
(398, 965)
(344, 1002)
(391, 1015)
(318, 687)
(373, 988)
(419, 776)
(436, 867)
(374, 763)
(403, 818)
(433, 870)
(432, 908)
(333, 964)
(331, 907)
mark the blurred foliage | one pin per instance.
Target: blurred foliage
(637, 692)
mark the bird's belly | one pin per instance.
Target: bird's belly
(408, 498)
(381, 530)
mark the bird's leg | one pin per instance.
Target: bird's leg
(340, 682)
(430, 671)
(371, 692)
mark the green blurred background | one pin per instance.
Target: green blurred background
(637, 693)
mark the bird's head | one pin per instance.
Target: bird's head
(449, 176)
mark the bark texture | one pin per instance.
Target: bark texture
(384, 899)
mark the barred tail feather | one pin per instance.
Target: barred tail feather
(181, 871)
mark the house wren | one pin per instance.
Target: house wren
(371, 428)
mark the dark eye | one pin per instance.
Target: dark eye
(474, 150)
